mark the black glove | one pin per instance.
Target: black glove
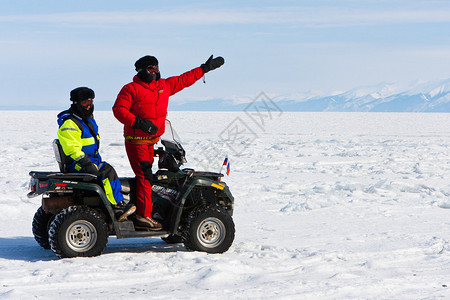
(212, 63)
(88, 166)
(145, 125)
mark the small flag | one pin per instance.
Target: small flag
(226, 163)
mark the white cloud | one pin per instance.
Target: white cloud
(301, 16)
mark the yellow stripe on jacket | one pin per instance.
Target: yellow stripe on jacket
(69, 135)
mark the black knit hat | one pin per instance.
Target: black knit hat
(144, 62)
(81, 93)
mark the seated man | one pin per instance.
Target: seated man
(79, 139)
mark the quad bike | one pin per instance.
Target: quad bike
(76, 218)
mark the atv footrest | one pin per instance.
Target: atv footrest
(126, 226)
(127, 230)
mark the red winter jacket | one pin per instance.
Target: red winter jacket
(149, 101)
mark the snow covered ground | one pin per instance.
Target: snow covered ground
(327, 206)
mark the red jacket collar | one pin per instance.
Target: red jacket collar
(148, 85)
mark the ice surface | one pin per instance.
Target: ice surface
(327, 206)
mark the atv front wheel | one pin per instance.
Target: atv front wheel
(40, 225)
(78, 231)
(172, 239)
(209, 229)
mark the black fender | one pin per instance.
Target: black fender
(187, 189)
(47, 182)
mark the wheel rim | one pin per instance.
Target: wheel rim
(81, 236)
(211, 232)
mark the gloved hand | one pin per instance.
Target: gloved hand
(145, 125)
(212, 63)
(88, 166)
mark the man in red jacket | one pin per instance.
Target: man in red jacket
(142, 107)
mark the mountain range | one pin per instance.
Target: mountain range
(429, 96)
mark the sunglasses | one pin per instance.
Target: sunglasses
(154, 68)
(87, 102)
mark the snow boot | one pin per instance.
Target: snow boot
(123, 211)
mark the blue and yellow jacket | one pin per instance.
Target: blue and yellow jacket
(78, 138)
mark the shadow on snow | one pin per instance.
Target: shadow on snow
(26, 248)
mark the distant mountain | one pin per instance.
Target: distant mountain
(432, 96)
(385, 97)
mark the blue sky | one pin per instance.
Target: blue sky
(283, 48)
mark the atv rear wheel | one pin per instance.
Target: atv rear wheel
(78, 231)
(40, 226)
(209, 229)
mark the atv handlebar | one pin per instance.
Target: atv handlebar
(159, 151)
